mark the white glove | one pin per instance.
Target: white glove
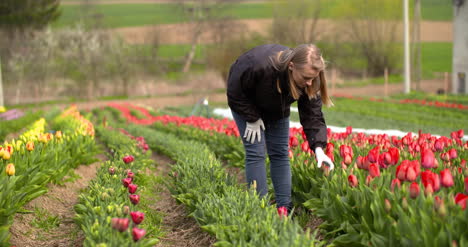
(252, 130)
(322, 157)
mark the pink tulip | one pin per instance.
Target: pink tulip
(135, 199)
(132, 188)
(130, 175)
(446, 178)
(282, 212)
(453, 153)
(427, 158)
(111, 170)
(128, 159)
(138, 233)
(414, 190)
(126, 181)
(137, 217)
(120, 224)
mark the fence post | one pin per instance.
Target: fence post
(386, 82)
(446, 83)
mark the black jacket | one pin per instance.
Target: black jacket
(252, 93)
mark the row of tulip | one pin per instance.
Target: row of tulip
(360, 201)
(15, 125)
(237, 217)
(109, 212)
(36, 159)
(424, 102)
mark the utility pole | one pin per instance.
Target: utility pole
(407, 46)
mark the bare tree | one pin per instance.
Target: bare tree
(371, 27)
(296, 21)
(202, 14)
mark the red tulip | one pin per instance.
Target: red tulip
(346, 150)
(138, 233)
(428, 177)
(290, 154)
(368, 179)
(130, 174)
(466, 185)
(428, 190)
(439, 145)
(137, 217)
(132, 188)
(461, 199)
(395, 182)
(414, 190)
(394, 154)
(411, 174)
(460, 133)
(352, 179)
(445, 156)
(293, 142)
(427, 158)
(446, 178)
(373, 155)
(126, 181)
(374, 170)
(135, 199)
(305, 147)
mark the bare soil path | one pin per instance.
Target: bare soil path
(181, 230)
(57, 203)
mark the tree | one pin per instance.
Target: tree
(371, 28)
(296, 21)
(24, 14)
(203, 15)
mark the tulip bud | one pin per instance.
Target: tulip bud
(428, 190)
(395, 182)
(404, 203)
(388, 205)
(368, 180)
(126, 210)
(10, 169)
(138, 233)
(111, 170)
(352, 179)
(254, 185)
(130, 175)
(414, 190)
(58, 134)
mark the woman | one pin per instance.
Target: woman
(262, 84)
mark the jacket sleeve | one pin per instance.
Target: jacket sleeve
(312, 121)
(241, 80)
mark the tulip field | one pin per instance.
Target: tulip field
(384, 190)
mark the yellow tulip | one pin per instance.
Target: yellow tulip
(30, 146)
(6, 155)
(58, 134)
(10, 169)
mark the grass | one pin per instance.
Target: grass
(126, 15)
(44, 220)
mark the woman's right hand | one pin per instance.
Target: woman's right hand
(252, 131)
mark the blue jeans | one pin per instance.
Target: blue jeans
(275, 141)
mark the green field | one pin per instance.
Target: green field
(127, 15)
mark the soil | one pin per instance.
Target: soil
(181, 230)
(59, 202)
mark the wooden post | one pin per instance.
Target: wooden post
(446, 83)
(333, 81)
(386, 82)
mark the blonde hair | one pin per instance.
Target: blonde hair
(301, 56)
